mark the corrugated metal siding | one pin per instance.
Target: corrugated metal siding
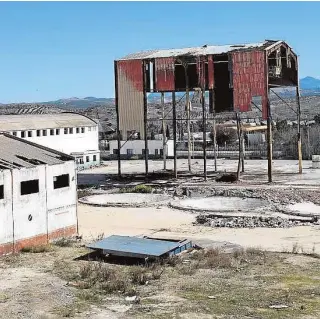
(130, 96)
(210, 72)
(201, 71)
(164, 74)
(249, 78)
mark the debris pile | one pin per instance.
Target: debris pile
(251, 222)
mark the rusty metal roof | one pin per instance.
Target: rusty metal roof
(19, 153)
(23, 122)
(197, 51)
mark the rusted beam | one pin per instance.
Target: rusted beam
(174, 115)
(269, 138)
(145, 117)
(204, 129)
(299, 130)
(118, 118)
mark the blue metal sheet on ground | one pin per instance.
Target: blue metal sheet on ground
(133, 246)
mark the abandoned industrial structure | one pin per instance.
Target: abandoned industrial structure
(237, 79)
(70, 133)
(38, 195)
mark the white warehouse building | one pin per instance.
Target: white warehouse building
(38, 194)
(137, 147)
(71, 133)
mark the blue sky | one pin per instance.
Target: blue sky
(52, 50)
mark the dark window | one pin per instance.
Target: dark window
(44, 132)
(1, 192)
(144, 151)
(161, 151)
(129, 151)
(61, 181)
(81, 161)
(14, 133)
(156, 152)
(38, 133)
(94, 158)
(29, 133)
(87, 159)
(82, 129)
(23, 134)
(70, 130)
(77, 130)
(115, 151)
(65, 131)
(29, 187)
(57, 131)
(51, 132)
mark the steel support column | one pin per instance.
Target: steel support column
(145, 118)
(118, 119)
(299, 129)
(174, 116)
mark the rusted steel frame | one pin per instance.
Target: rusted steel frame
(171, 108)
(164, 143)
(145, 117)
(174, 115)
(269, 124)
(283, 101)
(204, 126)
(118, 118)
(239, 143)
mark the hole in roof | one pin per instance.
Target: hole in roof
(31, 160)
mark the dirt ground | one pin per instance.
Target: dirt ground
(241, 273)
(210, 283)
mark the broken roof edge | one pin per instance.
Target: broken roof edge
(68, 157)
(202, 50)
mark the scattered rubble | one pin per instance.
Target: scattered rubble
(251, 222)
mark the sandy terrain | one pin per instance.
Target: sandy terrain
(167, 222)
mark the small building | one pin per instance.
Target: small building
(38, 194)
(71, 133)
(136, 148)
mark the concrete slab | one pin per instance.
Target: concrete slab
(124, 200)
(220, 204)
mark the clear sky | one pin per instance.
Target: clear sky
(52, 50)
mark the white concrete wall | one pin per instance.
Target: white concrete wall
(61, 202)
(138, 145)
(32, 204)
(6, 223)
(66, 143)
(50, 208)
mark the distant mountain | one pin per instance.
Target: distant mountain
(310, 83)
(82, 103)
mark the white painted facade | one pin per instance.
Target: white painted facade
(69, 133)
(37, 202)
(137, 147)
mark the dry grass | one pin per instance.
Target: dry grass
(37, 249)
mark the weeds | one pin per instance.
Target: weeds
(63, 242)
(137, 189)
(138, 275)
(37, 249)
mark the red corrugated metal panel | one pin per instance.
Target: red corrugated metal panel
(201, 71)
(210, 72)
(164, 74)
(249, 78)
(130, 96)
(132, 70)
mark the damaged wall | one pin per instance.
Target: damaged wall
(249, 79)
(130, 96)
(44, 213)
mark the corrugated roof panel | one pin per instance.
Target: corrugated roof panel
(195, 51)
(17, 152)
(23, 122)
